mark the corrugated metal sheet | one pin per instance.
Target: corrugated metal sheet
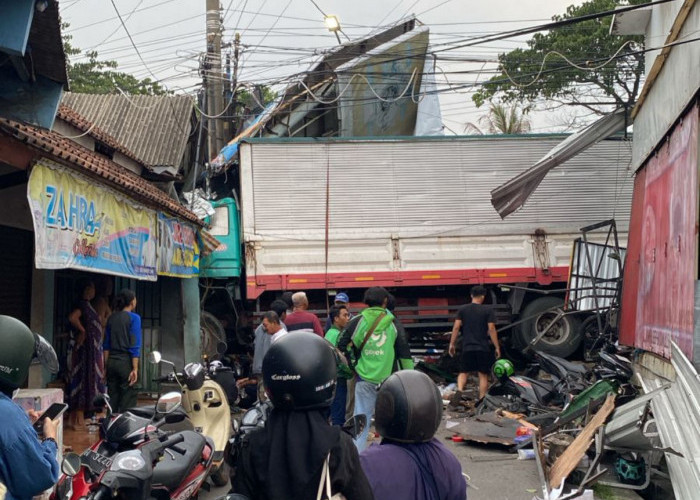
(677, 83)
(630, 283)
(601, 266)
(513, 194)
(155, 128)
(667, 246)
(418, 188)
(419, 204)
(677, 414)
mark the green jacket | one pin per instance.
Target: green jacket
(344, 371)
(376, 361)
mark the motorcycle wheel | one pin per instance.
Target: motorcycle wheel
(221, 476)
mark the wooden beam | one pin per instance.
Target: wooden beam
(16, 153)
(663, 55)
(568, 460)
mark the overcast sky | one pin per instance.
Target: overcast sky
(282, 37)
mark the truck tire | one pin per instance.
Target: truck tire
(562, 340)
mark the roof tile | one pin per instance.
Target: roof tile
(82, 159)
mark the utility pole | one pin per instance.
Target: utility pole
(234, 82)
(214, 78)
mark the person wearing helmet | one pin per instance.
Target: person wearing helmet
(28, 466)
(285, 459)
(410, 463)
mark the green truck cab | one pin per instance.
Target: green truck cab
(226, 261)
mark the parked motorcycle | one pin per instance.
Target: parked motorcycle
(136, 459)
(207, 405)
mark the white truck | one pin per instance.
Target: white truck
(414, 215)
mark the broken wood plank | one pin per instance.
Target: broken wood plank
(568, 460)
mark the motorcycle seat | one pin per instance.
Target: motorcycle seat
(174, 467)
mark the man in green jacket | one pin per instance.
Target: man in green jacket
(373, 340)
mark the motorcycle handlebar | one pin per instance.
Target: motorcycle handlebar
(172, 441)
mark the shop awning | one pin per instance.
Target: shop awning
(512, 195)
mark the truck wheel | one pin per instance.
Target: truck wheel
(562, 339)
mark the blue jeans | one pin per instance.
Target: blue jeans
(365, 399)
(338, 406)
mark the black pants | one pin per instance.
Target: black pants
(121, 395)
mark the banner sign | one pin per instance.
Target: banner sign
(81, 224)
(178, 250)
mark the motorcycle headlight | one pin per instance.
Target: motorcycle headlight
(128, 460)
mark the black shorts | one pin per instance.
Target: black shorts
(476, 361)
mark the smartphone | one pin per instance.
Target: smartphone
(53, 412)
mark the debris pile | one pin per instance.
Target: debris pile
(582, 424)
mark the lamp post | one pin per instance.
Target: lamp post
(333, 24)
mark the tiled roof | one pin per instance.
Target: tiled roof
(82, 159)
(84, 125)
(155, 128)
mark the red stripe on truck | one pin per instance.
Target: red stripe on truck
(256, 285)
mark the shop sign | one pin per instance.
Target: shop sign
(178, 250)
(82, 224)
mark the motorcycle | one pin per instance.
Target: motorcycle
(522, 394)
(207, 390)
(530, 395)
(136, 459)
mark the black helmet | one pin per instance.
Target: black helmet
(299, 372)
(409, 407)
(18, 345)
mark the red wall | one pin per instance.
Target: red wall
(661, 267)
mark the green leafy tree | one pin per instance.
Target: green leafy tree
(535, 73)
(502, 119)
(95, 76)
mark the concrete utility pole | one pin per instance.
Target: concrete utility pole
(214, 78)
(234, 81)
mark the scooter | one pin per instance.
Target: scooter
(136, 459)
(206, 404)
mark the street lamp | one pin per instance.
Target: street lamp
(333, 24)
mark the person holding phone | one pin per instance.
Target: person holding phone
(28, 466)
(122, 350)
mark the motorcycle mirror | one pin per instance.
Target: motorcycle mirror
(355, 425)
(168, 402)
(101, 401)
(154, 357)
(71, 464)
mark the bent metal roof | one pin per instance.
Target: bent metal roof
(75, 156)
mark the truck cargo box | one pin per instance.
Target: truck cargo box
(347, 213)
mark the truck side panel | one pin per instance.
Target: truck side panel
(414, 208)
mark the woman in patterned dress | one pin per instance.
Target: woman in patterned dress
(87, 370)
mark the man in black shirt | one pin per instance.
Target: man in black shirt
(477, 323)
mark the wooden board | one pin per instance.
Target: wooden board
(568, 460)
